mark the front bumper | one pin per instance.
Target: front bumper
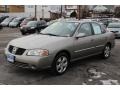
(28, 30)
(12, 25)
(37, 61)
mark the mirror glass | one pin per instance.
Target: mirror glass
(81, 35)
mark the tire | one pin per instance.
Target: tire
(1, 27)
(60, 64)
(23, 33)
(37, 31)
(106, 52)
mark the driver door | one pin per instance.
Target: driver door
(84, 45)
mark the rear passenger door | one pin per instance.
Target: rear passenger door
(99, 37)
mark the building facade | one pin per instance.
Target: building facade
(102, 11)
(80, 10)
(43, 11)
(11, 8)
(15, 8)
(38, 11)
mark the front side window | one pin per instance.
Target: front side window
(96, 28)
(85, 28)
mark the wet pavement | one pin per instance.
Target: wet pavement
(89, 71)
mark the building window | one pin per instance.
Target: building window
(30, 6)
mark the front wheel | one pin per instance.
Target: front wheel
(23, 33)
(106, 52)
(60, 64)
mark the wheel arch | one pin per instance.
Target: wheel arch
(109, 43)
(64, 51)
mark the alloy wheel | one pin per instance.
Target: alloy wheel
(107, 51)
(61, 64)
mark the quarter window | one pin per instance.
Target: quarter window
(96, 28)
(85, 28)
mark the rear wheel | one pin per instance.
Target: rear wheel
(60, 64)
(106, 52)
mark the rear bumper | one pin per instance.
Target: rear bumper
(117, 35)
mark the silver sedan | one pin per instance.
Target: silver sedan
(59, 44)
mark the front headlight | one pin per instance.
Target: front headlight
(38, 52)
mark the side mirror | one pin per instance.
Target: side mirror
(80, 35)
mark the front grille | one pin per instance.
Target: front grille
(24, 65)
(20, 64)
(19, 51)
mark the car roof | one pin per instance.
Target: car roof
(80, 21)
(115, 22)
(3, 16)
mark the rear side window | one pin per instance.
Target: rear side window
(42, 23)
(96, 28)
(85, 28)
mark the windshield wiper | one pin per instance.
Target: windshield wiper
(49, 34)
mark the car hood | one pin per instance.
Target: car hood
(4, 23)
(36, 41)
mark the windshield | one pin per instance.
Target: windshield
(27, 20)
(32, 24)
(7, 19)
(61, 29)
(114, 25)
(15, 20)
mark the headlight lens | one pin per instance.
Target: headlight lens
(38, 53)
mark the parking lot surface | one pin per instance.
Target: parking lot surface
(90, 71)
